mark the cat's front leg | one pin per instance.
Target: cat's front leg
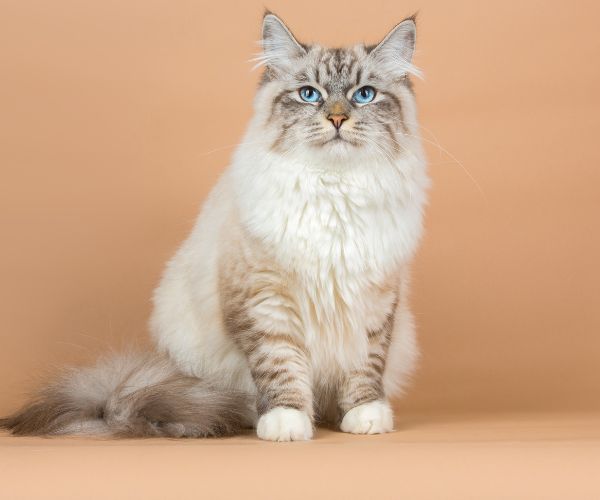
(284, 403)
(362, 400)
(263, 323)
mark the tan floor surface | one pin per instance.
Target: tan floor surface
(549, 456)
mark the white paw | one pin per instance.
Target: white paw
(375, 417)
(284, 424)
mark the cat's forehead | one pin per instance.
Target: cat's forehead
(335, 69)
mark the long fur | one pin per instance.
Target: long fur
(132, 395)
(288, 302)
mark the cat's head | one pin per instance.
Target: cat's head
(336, 104)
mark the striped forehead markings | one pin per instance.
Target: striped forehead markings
(338, 66)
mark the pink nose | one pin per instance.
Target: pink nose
(337, 120)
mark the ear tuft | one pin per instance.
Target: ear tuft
(396, 50)
(280, 48)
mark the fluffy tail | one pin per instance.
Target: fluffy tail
(133, 395)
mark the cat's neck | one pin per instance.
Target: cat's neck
(371, 211)
(259, 169)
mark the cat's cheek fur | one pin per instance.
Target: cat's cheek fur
(375, 417)
(284, 424)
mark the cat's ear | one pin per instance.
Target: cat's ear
(280, 48)
(395, 51)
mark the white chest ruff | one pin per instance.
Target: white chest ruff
(343, 237)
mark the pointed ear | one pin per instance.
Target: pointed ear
(396, 50)
(280, 48)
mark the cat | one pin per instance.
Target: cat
(287, 304)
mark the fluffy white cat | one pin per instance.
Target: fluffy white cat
(287, 304)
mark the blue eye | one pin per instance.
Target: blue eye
(309, 94)
(364, 95)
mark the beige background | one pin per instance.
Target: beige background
(116, 117)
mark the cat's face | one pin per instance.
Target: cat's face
(337, 105)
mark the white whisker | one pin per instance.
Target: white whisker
(442, 150)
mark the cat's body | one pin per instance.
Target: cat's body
(292, 288)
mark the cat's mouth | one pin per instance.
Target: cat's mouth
(335, 138)
(339, 139)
